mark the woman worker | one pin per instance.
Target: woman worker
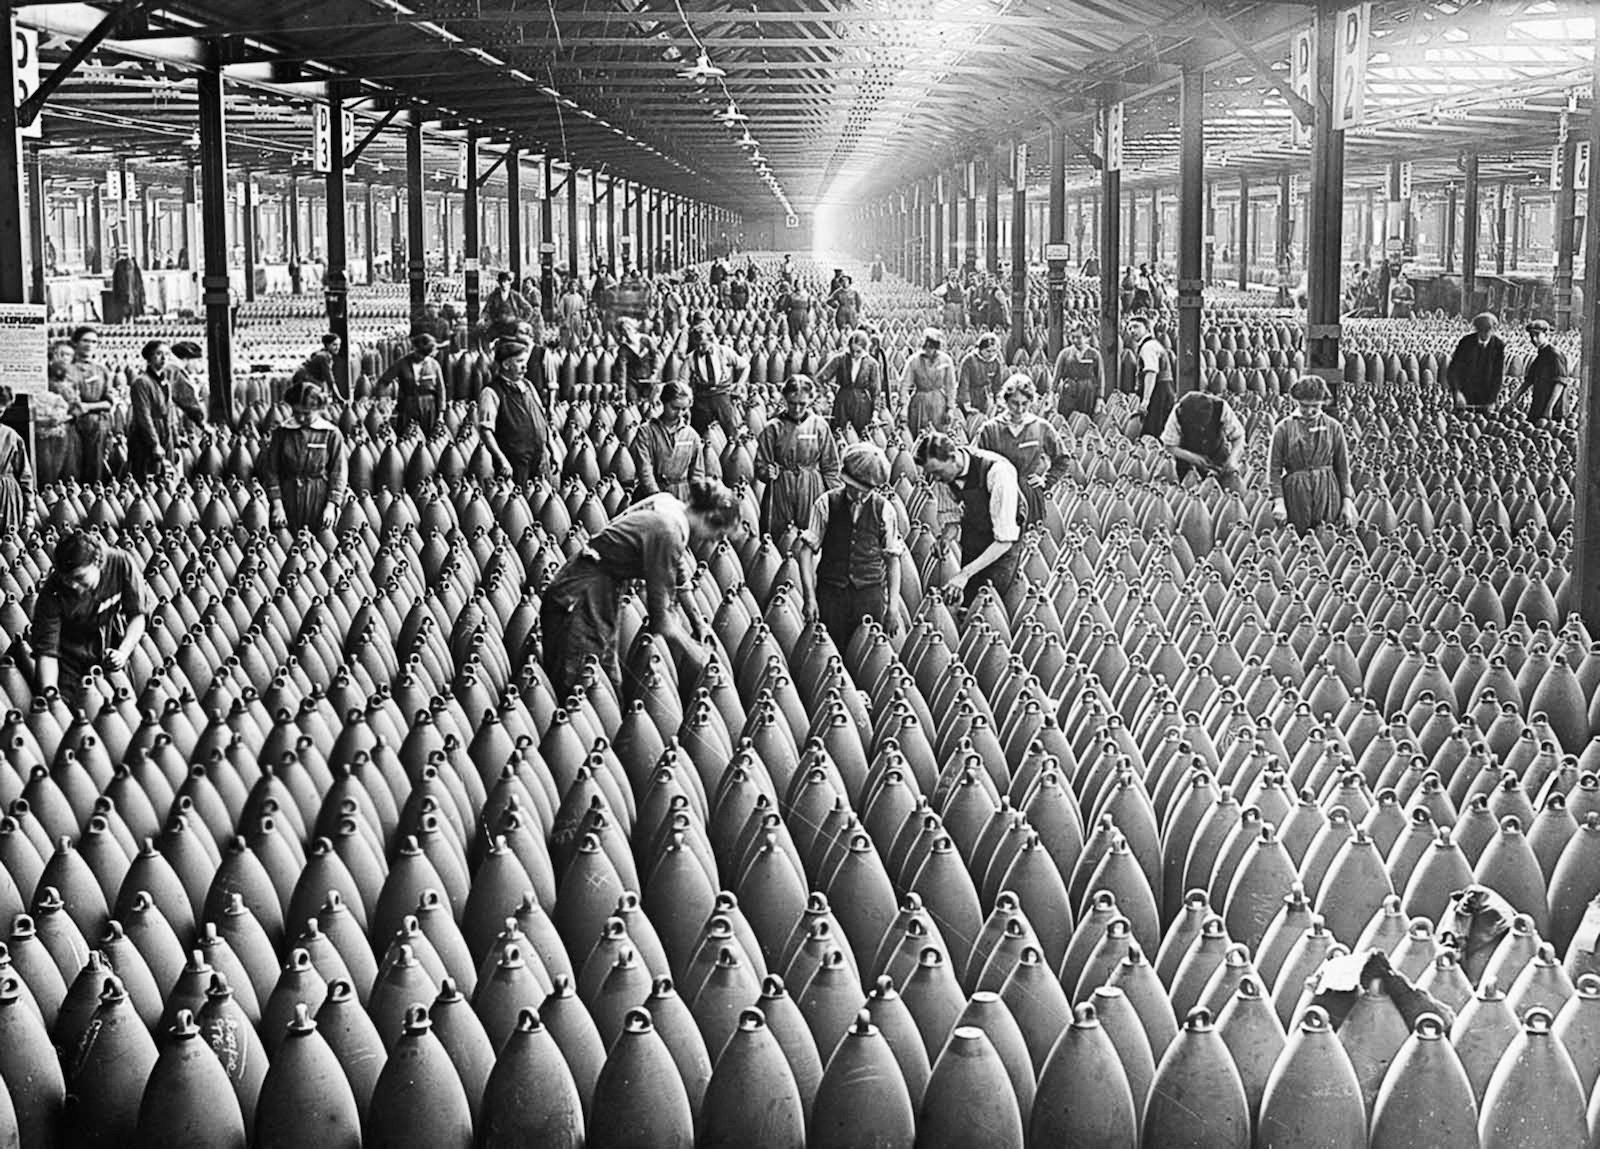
(418, 380)
(90, 612)
(1308, 464)
(306, 464)
(858, 379)
(928, 383)
(797, 459)
(16, 476)
(1029, 443)
(651, 541)
(668, 453)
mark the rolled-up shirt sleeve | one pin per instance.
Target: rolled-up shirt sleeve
(488, 408)
(1003, 497)
(44, 630)
(893, 544)
(816, 524)
(1233, 436)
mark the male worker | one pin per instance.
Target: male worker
(1204, 435)
(850, 551)
(986, 489)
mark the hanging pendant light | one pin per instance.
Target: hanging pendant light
(703, 70)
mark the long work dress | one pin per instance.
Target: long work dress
(1309, 469)
(150, 429)
(798, 460)
(668, 460)
(578, 617)
(16, 481)
(930, 389)
(305, 465)
(94, 386)
(1033, 448)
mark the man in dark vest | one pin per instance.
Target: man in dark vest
(512, 425)
(990, 499)
(850, 552)
(1203, 434)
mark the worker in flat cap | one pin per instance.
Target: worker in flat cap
(1546, 376)
(850, 552)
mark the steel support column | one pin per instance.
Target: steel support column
(547, 246)
(216, 292)
(574, 255)
(13, 285)
(1500, 228)
(1325, 217)
(1110, 268)
(1056, 208)
(514, 217)
(1450, 226)
(1285, 252)
(1155, 227)
(1019, 250)
(416, 212)
(38, 216)
(295, 284)
(1191, 225)
(936, 221)
(991, 217)
(371, 235)
(471, 241)
(1243, 253)
(248, 239)
(1586, 519)
(1516, 226)
(1566, 235)
(953, 227)
(1469, 239)
(335, 280)
(969, 179)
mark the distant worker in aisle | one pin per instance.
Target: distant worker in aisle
(846, 303)
(1031, 445)
(797, 459)
(738, 292)
(650, 541)
(1156, 388)
(669, 454)
(857, 379)
(512, 424)
(1205, 436)
(636, 372)
(417, 382)
(953, 299)
(1545, 377)
(505, 309)
(305, 467)
(928, 385)
(54, 434)
(1076, 378)
(850, 550)
(151, 427)
(1477, 368)
(98, 395)
(982, 370)
(717, 376)
(16, 475)
(1308, 463)
(91, 611)
(795, 305)
(986, 490)
(1402, 297)
(320, 365)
